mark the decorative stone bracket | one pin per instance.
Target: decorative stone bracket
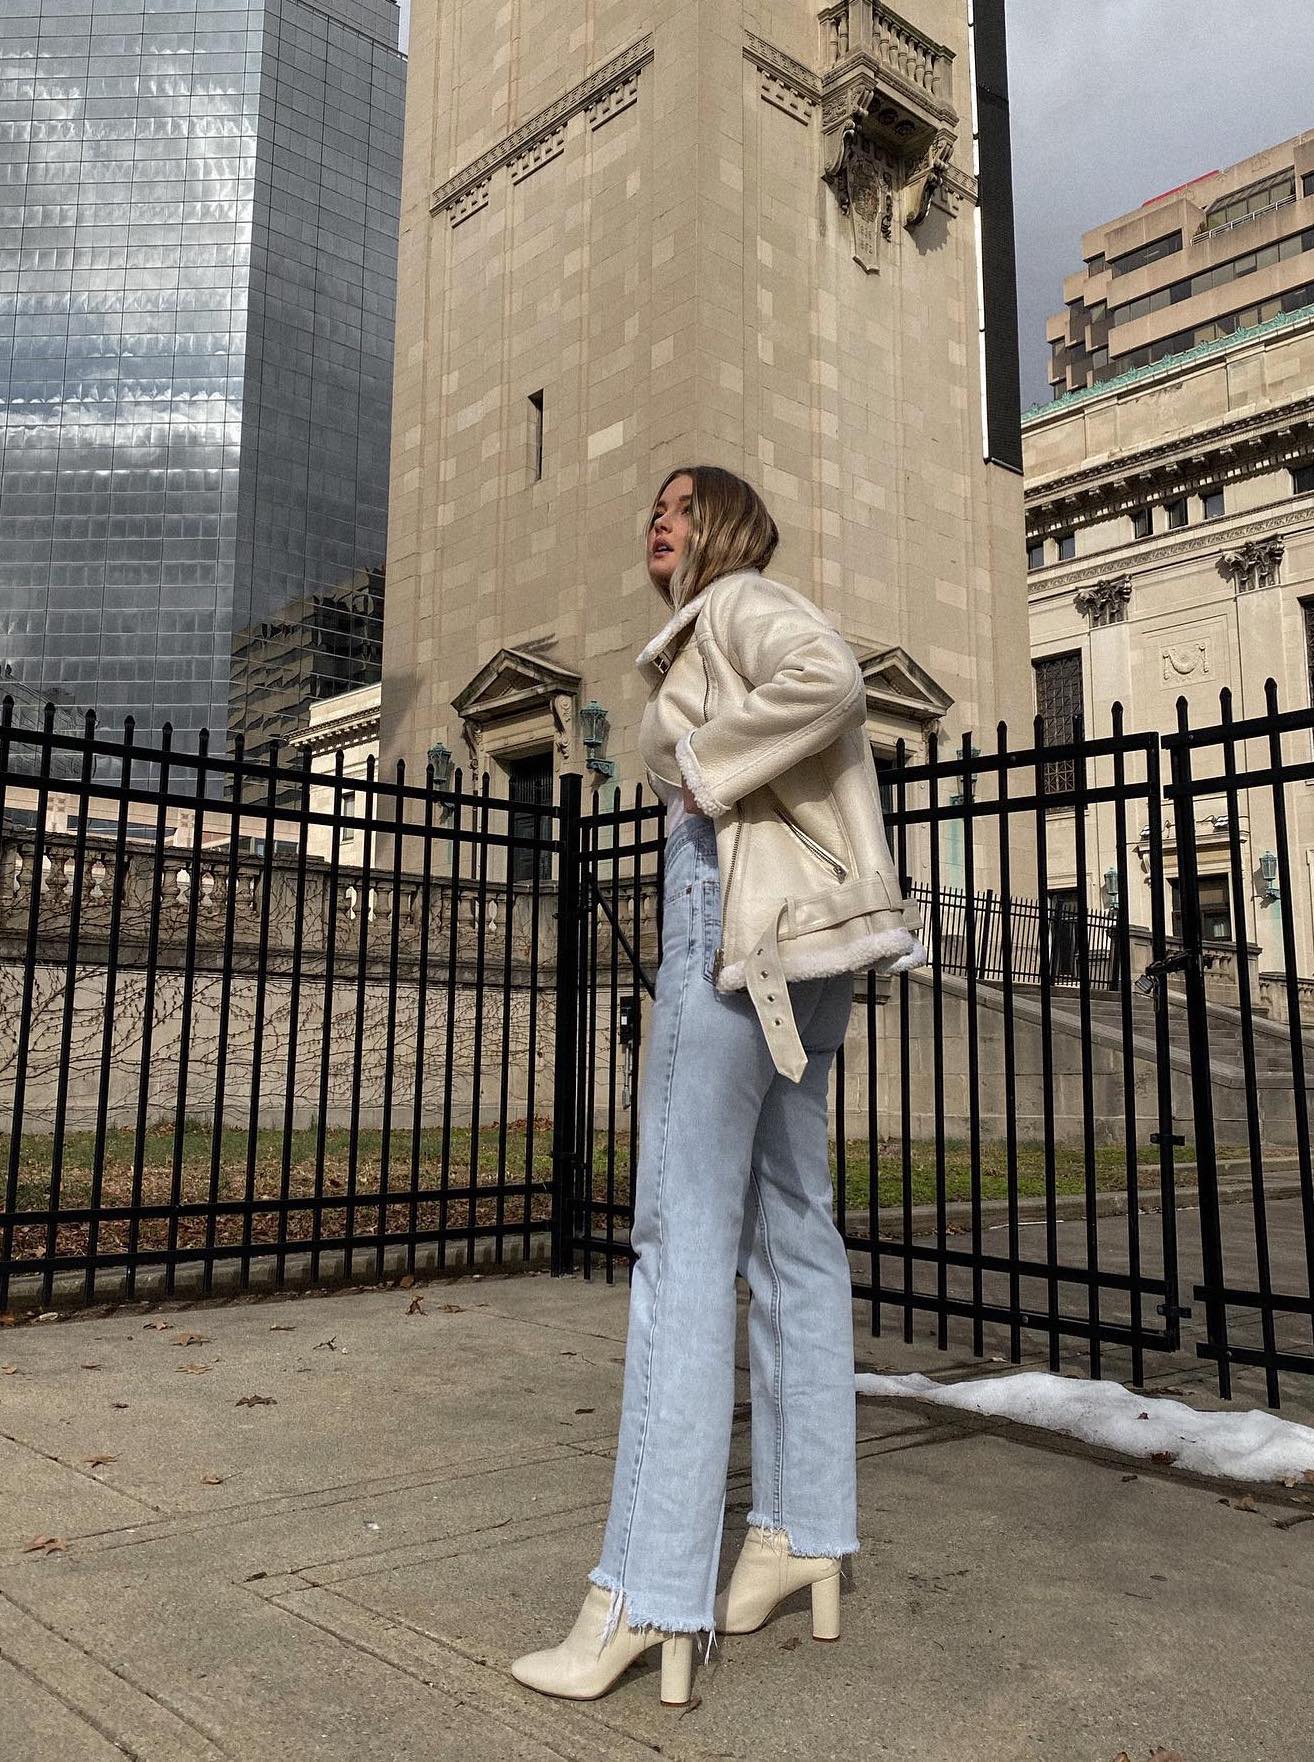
(1104, 602)
(888, 128)
(1254, 565)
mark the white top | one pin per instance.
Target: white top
(673, 795)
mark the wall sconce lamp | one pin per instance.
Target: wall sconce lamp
(1111, 886)
(1268, 872)
(594, 718)
(440, 757)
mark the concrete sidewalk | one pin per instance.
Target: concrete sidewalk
(322, 1528)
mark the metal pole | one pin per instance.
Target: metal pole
(565, 1125)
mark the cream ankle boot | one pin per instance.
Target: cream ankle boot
(765, 1573)
(581, 1668)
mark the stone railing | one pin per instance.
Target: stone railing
(866, 25)
(1273, 992)
(907, 52)
(341, 915)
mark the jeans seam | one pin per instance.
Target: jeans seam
(657, 1286)
(778, 1341)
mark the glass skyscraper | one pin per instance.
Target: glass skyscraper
(198, 246)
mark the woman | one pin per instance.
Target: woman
(778, 886)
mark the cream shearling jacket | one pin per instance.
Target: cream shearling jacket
(762, 713)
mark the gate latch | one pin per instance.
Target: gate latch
(627, 1038)
(1173, 1311)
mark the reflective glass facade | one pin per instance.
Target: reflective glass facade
(198, 226)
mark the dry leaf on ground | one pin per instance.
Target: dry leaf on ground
(406, 1281)
(159, 1327)
(1165, 1458)
(212, 1480)
(99, 1459)
(1166, 1756)
(91, 1367)
(282, 1328)
(452, 1308)
(255, 1401)
(193, 1370)
(46, 1545)
(192, 1340)
(9, 1370)
(8, 1320)
(415, 1306)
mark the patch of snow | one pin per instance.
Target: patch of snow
(1252, 1446)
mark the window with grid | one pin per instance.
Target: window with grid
(1058, 700)
(531, 782)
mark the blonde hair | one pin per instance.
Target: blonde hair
(729, 529)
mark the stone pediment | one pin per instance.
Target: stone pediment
(511, 683)
(899, 688)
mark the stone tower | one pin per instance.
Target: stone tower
(636, 235)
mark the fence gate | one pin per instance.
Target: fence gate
(1251, 1066)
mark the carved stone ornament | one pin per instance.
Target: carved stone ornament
(563, 717)
(887, 124)
(928, 177)
(863, 177)
(1104, 602)
(1188, 660)
(473, 736)
(1254, 565)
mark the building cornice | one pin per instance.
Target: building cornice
(1138, 377)
(1188, 450)
(1149, 554)
(343, 731)
(540, 138)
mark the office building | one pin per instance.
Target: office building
(198, 220)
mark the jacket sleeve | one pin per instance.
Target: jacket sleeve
(806, 688)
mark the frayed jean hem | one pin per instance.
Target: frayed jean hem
(802, 1545)
(637, 1615)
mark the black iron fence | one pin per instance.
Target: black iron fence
(300, 1024)
(975, 926)
(314, 1028)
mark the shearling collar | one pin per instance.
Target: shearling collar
(673, 625)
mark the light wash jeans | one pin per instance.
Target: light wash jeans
(732, 1176)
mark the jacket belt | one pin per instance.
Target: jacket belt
(766, 975)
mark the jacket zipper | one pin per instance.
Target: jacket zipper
(718, 959)
(835, 865)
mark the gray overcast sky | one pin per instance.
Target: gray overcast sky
(1113, 101)
(1116, 100)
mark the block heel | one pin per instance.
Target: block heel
(677, 1670)
(826, 1608)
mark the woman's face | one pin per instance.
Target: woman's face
(668, 531)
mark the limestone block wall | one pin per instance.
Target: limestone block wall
(617, 208)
